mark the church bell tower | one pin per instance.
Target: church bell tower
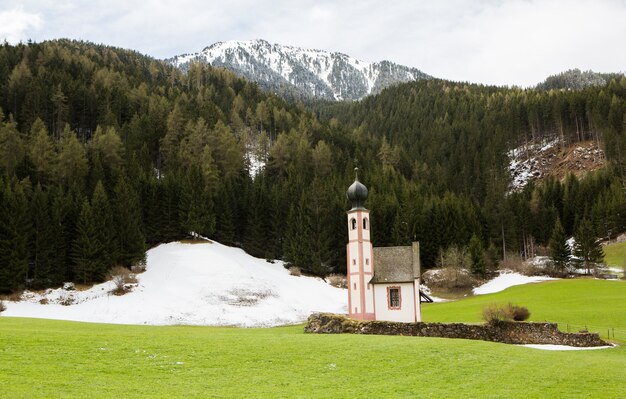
(359, 251)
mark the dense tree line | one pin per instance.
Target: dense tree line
(105, 152)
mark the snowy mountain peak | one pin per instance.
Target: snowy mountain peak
(302, 73)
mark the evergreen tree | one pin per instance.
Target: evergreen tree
(128, 226)
(477, 256)
(42, 241)
(587, 248)
(105, 230)
(559, 249)
(14, 234)
(41, 151)
(298, 248)
(88, 251)
(196, 204)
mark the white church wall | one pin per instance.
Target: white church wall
(406, 312)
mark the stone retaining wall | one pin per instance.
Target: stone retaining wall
(505, 332)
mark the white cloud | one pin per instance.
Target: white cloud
(15, 23)
(489, 41)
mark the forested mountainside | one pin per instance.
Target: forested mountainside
(575, 79)
(104, 151)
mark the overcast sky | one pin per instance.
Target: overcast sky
(517, 42)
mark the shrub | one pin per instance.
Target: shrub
(3, 307)
(295, 271)
(66, 300)
(139, 267)
(44, 301)
(13, 297)
(520, 313)
(455, 264)
(121, 277)
(337, 280)
(496, 313)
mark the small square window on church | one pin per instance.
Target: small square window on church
(355, 286)
(393, 297)
(367, 261)
(354, 261)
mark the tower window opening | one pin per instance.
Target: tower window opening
(365, 223)
(353, 224)
(355, 286)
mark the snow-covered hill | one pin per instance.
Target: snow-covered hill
(302, 72)
(200, 284)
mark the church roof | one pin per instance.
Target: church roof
(357, 192)
(396, 264)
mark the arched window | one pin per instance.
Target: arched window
(365, 222)
(353, 223)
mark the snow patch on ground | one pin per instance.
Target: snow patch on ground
(426, 290)
(196, 284)
(548, 347)
(505, 280)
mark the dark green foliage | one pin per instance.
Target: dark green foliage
(104, 226)
(88, 251)
(15, 229)
(128, 224)
(559, 249)
(587, 248)
(196, 204)
(42, 247)
(477, 256)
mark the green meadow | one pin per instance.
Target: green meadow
(615, 254)
(58, 359)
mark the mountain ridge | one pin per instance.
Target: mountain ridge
(302, 73)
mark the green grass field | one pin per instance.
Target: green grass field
(56, 359)
(615, 254)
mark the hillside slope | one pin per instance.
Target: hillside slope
(299, 72)
(198, 284)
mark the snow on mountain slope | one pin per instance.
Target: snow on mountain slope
(542, 158)
(199, 284)
(298, 71)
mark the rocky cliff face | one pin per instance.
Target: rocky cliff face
(302, 73)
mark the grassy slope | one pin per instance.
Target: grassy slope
(615, 254)
(40, 358)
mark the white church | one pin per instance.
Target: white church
(383, 283)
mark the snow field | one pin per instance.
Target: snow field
(506, 280)
(195, 284)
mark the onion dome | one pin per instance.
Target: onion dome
(357, 192)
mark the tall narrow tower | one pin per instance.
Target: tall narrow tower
(359, 251)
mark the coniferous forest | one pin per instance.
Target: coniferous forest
(105, 152)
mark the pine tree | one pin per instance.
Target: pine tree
(41, 150)
(42, 241)
(297, 247)
(87, 250)
(128, 226)
(105, 230)
(559, 249)
(196, 204)
(477, 256)
(14, 235)
(587, 248)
